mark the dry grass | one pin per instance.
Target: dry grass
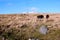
(23, 26)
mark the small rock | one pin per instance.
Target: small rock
(43, 29)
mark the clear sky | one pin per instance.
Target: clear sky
(19, 6)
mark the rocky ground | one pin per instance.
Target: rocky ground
(25, 26)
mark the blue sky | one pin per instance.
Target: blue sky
(19, 6)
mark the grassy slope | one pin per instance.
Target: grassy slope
(14, 31)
